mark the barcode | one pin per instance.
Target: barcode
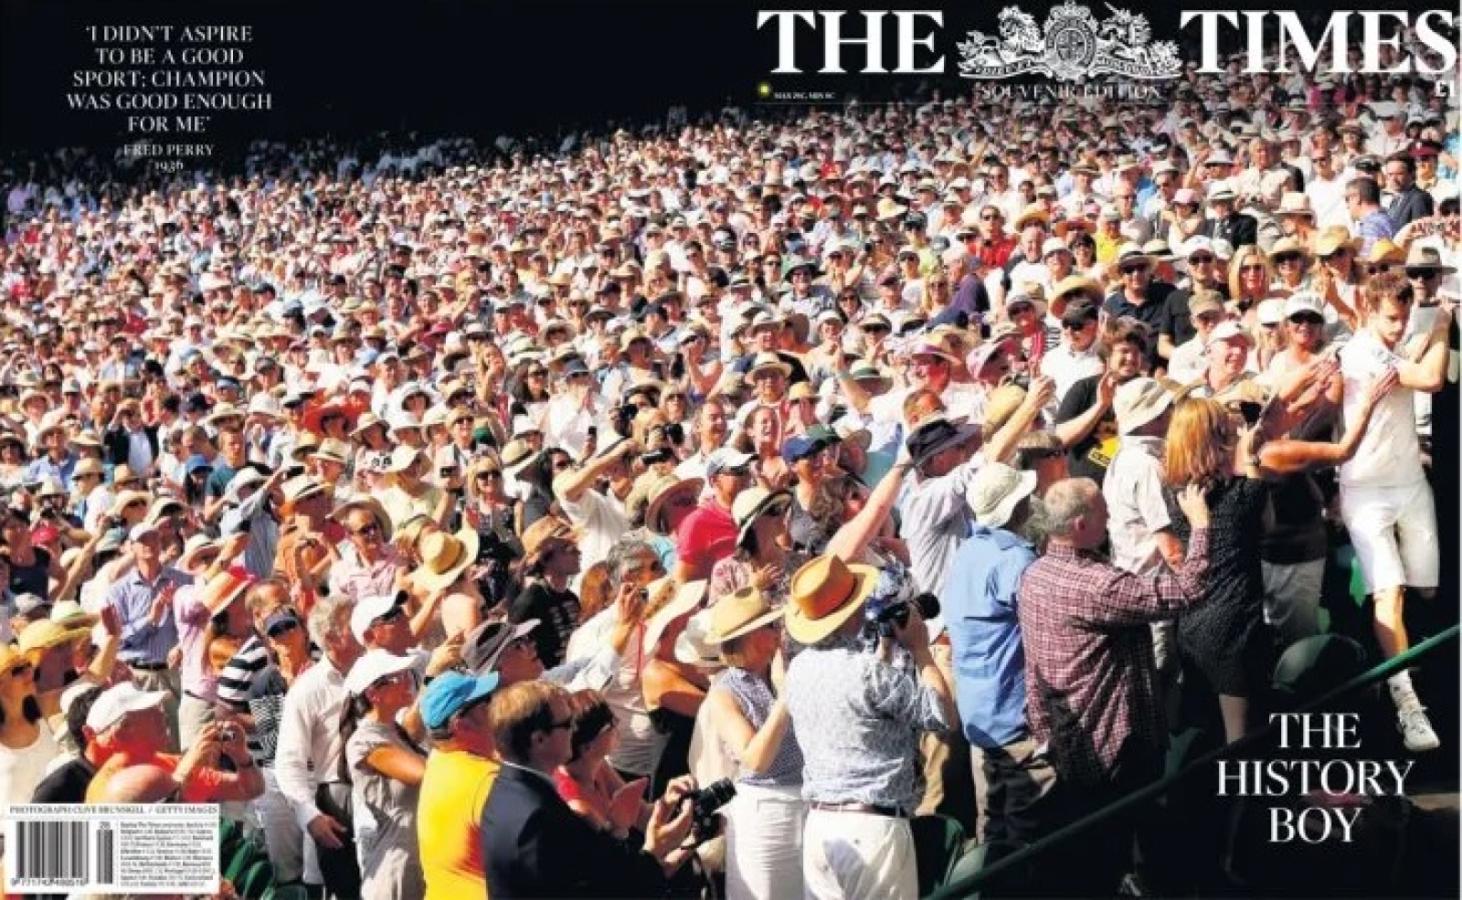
(53, 852)
(105, 854)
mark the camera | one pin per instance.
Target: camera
(705, 803)
(896, 611)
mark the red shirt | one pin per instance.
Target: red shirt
(705, 537)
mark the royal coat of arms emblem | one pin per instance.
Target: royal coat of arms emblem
(1071, 46)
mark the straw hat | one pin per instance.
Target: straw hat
(536, 537)
(664, 490)
(687, 599)
(1385, 252)
(740, 613)
(996, 490)
(224, 588)
(1138, 402)
(444, 557)
(750, 504)
(369, 504)
(44, 634)
(824, 594)
(1334, 238)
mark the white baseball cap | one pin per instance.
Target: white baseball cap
(372, 667)
(367, 610)
(119, 700)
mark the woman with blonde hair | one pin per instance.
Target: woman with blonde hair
(1249, 277)
(1224, 642)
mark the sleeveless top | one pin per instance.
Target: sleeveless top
(754, 697)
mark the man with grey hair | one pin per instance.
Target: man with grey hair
(637, 581)
(308, 757)
(1091, 683)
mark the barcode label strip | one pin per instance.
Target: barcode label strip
(54, 851)
(109, 848)
(104, 854)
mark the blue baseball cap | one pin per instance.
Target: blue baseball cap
(450, 692)
(800, 446)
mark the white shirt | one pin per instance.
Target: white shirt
(1135, 505)
(1327, 198)
(1390, 454)
(602, 519)
(640, 742)
(1065, 366)
(309, 737)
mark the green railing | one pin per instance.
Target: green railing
(971, 883)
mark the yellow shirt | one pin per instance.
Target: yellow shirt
(448, 823)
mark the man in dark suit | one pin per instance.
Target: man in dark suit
(534, 845)
(1408, 202)
(1225, 222)
(127, 429)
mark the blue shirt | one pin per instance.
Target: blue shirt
(132, 596)
(43, 468)
(858, 721)
(984, 635)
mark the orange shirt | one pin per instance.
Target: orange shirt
(202, 786)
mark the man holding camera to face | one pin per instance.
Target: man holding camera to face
(859, 719)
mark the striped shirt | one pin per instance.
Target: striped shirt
(236, 687)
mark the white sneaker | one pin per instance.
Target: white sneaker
(1417, 730)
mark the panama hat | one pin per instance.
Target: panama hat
(369, 504)
(1138, 402)
(44, 634)
(444, 557)
(740, 613)
(996, 490)
(750, 504)
(224, 588)
(824, 594)
(1334, 238)
(537, 537)
(764, 361)
(664, 490)
(1427, 259)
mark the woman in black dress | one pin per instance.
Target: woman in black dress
(1224, 643)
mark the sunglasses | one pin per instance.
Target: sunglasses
(487, 476)
(1423, 274)
(1077, 326)
(1378, 269)
(1312, 321)
(1131, 270)
(564, 725)
(371, 530)
(1258, 268)
(282, 628)
(18, 670)
(1285, 258)
(989, 218)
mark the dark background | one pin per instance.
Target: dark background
(480, 68)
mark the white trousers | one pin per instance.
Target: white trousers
(764, 843)
(858, 856)
(289, 851)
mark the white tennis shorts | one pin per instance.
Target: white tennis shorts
(1394, 532)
